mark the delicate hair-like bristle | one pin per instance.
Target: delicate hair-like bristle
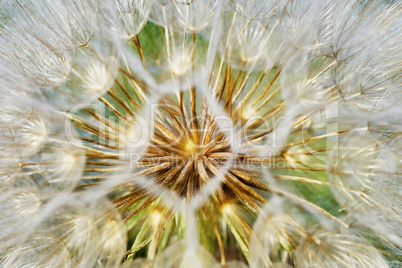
(200, 133)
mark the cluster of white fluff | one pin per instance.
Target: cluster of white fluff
(60, 57)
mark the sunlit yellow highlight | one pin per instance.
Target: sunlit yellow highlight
(248, 113)
(156, 217)
(227, 209)
(190, 147)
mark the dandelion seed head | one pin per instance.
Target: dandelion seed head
(19, 205)
(203, 133)
(180, 62)
(97, 78)
(43, 65)
(132, 14)
(184, 16)
(33, 133)
(36, 252)
(253, 10)
(57, 24)
(358, 256)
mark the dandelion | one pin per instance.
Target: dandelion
(203, 133)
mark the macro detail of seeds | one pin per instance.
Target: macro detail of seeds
(200, 133)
